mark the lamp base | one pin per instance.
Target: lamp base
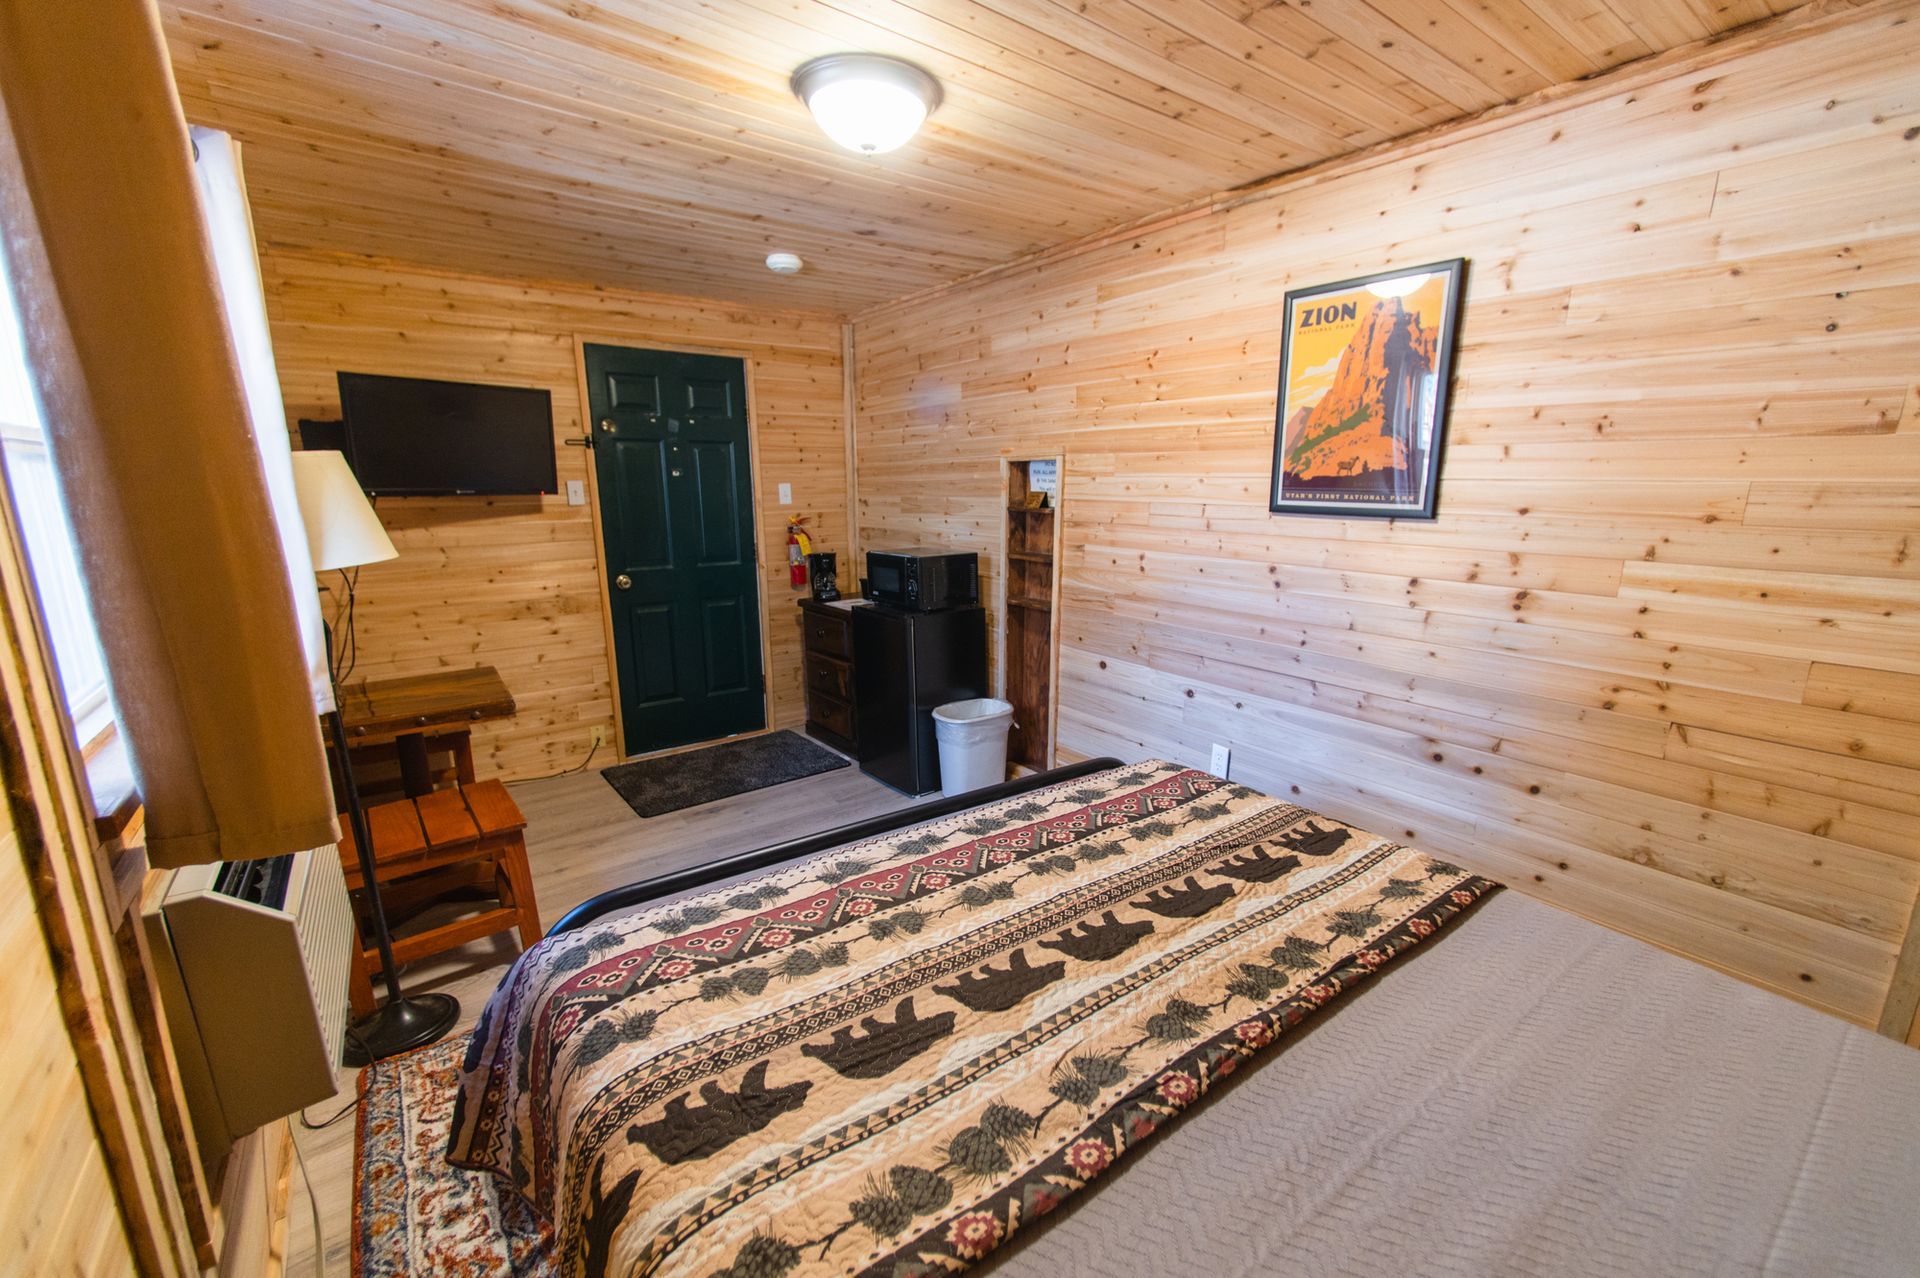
(400, 1026)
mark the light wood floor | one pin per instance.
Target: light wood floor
(581, 839)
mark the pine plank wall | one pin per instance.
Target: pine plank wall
(57, 1188)
(514, 582)
(1658, 660)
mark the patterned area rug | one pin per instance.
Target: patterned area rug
(414, 1215)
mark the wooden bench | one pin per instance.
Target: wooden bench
(470, 835)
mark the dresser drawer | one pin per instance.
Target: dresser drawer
(831, 636)
(829, 677)
(834, 715)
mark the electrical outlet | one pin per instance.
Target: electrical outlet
(786, 494)
(1222, 755)
(596, 736)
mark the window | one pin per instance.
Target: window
(50, 545)
(43, 522)
(223, 205)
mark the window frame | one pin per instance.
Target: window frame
(92, 714)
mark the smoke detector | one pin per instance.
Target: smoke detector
(784, 263)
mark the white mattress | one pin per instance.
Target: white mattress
(1529, 1094)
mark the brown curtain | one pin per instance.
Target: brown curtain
(137, 378)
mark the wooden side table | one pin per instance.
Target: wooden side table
(476, 827)
(414, 713)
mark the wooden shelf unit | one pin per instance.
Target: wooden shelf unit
(1030, 584)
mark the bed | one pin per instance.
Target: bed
(1268, 1040)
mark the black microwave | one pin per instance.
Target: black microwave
(923, 580)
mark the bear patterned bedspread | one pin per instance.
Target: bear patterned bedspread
(891, 1058)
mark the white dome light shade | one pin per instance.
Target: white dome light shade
(867, 102)
(1399, 286)
(784, 263)
(867, 115)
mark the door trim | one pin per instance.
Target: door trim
(582, 340)
(997, 640)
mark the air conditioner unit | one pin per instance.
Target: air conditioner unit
(252, 961)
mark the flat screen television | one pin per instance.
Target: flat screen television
(412, 437)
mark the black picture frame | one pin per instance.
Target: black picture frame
(1332, 475)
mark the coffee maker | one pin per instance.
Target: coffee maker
(823, 574)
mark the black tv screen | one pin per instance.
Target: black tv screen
(408, 436)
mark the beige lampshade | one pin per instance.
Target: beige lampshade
(342, 530)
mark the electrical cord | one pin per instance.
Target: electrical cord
(325, 1123)
(313, 1200)
(313, 1204)
(347, 658)
(333, 623)
(565, 772)
(348, 1108)
(353, 635)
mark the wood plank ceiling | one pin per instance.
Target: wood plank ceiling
(653, 144)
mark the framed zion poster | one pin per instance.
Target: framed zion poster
(1364, 369)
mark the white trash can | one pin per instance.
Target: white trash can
(973, 743)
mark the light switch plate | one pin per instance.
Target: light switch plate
(1222, 755)
(576, 492)
(786, 494)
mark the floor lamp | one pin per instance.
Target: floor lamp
(343, 532)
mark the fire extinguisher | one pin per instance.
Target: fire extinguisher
(799, 546)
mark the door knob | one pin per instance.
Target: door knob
(623, 581)
(606, 423)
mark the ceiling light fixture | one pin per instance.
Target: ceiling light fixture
(867, 102)
(784, 263)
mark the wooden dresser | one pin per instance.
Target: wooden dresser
(827, 638)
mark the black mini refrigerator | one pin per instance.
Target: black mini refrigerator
(905, 664)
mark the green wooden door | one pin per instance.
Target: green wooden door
(676, 513)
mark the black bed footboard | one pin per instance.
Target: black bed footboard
(663, 885)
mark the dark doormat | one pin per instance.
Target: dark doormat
(654, 787)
